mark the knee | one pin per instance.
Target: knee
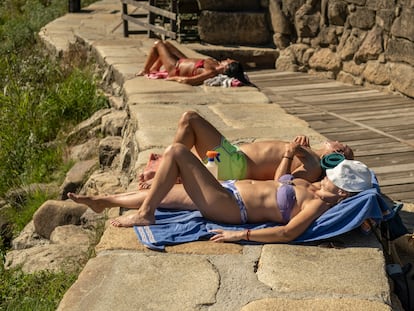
(188, 117)
(157, 44)
(175, 150)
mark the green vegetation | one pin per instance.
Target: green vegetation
(40, 101)
(38, 291)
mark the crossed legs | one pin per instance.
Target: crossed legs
(213, 201)
(194, 132)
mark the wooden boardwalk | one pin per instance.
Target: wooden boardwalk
(379, 127)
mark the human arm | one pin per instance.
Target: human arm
(278, 234)
(291, 149)
(195, 80)
(306, 165)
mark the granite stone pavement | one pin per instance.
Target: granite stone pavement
(203, 275)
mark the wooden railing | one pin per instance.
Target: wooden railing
(175, 19)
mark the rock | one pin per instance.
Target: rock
(400, 50)
(348, 78)
(328, 36)
(234, 28)
(337, 12)
(76, 177)
(71, 235)
(6, 226)
(281, 41)
(362, 18)
(87, 129)
(53, 257)
(353, 68)
(402, 78)
(325, 59)
(307, 20)
(371, 47)
(109, 148)
(403, 26)
(101, 182)
(28, 238)
(286, 61)
(55, 213)
(114, 122)
(85, 151)
(376, 73)
(279, 21)
(350, 43)
(385, 19)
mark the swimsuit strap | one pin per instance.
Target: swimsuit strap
(199, 64)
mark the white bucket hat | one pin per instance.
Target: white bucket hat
(351, 176)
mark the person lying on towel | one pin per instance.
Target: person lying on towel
(293, 202)
(193, 71)
(257, 160)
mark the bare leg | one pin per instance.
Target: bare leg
(195, 131)
(177, 198)
(213, 201)
(99, 203)
(156, 66)
(160, 55)
(173, 50)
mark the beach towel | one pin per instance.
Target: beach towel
(219, 80)
(174, 227)
(223, 81)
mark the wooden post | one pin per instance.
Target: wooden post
(74, 6)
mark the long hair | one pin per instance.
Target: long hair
(235, 70)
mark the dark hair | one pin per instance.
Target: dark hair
(235, 70)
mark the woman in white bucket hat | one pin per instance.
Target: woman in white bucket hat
(293, 202)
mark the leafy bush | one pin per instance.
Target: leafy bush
(39, 102)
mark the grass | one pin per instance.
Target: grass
(38, 291)
(40, 101)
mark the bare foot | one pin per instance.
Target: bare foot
(141, 73)
(94, 203)
(144, 185)
(133, 220)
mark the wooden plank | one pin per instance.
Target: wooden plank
(147, 7)
(378, 126)
(146, 25)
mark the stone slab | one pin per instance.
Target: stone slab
(126, 239)
(115, 281)
(318, 304)
(347, 272)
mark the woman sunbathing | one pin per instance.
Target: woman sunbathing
(186, 70)
(293, 202)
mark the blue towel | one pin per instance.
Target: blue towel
(174, 227)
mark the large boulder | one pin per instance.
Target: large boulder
(55, 213)
(67, 251)
(77, 176)
(371, 47)
(402, 78)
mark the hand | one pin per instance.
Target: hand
(295, 149)
(226, 235)
(177, 79)
(302, 140)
